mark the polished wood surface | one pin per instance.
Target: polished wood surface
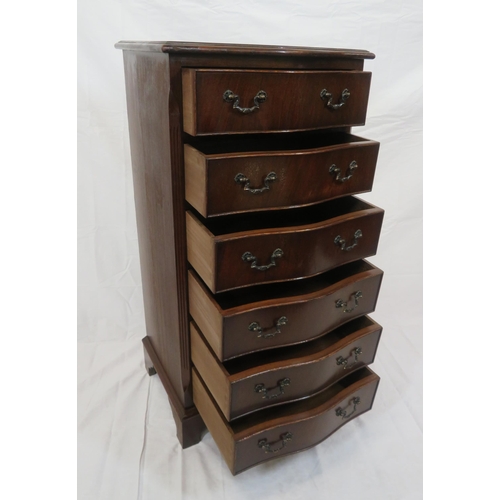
(308, 248)
(293, 100)
(302, 165)
(306, 369)
(154, 126)
(309, 306)
(218, 49)
(308, 421)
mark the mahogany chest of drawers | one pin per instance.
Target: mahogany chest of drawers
(252, 243)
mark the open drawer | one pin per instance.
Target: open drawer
(270, 378)
(264, 247)
(289, 428)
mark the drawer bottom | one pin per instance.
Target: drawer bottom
(293, 427)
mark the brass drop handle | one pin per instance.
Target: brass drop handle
(339, 241)
(248, 257)
(340, 303)
(230, 96)
(350, 171)
(357, 351)
(325, 95)
(242, 179)
(267, 394)
(343, 412)
(284, 439)
(255, 327)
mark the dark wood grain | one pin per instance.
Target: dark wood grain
(157, 162)
(293, 100)
(196, 48)
(309, 306)
(301, 164)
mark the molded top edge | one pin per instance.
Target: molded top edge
(233, 48)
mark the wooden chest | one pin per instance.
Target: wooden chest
(252, 241)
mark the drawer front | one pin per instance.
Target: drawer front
(235, 101)
(244, 386)
(261, 181)
(292, 318)
(259, 329)
(289, 428)
(287, 255)
(296, 436)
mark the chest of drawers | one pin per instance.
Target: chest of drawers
(252, 241)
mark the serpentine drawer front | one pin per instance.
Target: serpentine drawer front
(266, 379)
(236, 323)
(233, 101)
(263, 248)
(279, 431)
(261, 173)
(252, 243)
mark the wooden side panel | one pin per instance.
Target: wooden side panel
(189, 100)
(158, 172)
(218, 427)
(205, 313)
(212, 372)
(201, 249)
(196, 179)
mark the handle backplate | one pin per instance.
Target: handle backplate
(273, 392)
(325, 95)
(231, 97)
(255, 327)
(242, 179)
(334, 170)
(342, 412)
(341, 361)
(248, 257)
(341, 242)
(356, 296)
(267, 447)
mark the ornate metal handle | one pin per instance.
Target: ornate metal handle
(255, 327)
(230, 96)
(343, 413)
(341, 242)
(248, 257)
(350, 171)
(241, 179)
(262, 389)
(357, 351)
(284, 439)
(340, 303)
(324, 94)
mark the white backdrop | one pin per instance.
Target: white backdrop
(127, 444)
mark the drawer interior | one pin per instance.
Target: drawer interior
(255, 143)
(258, 293)
(254, 360)
(294, 217)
